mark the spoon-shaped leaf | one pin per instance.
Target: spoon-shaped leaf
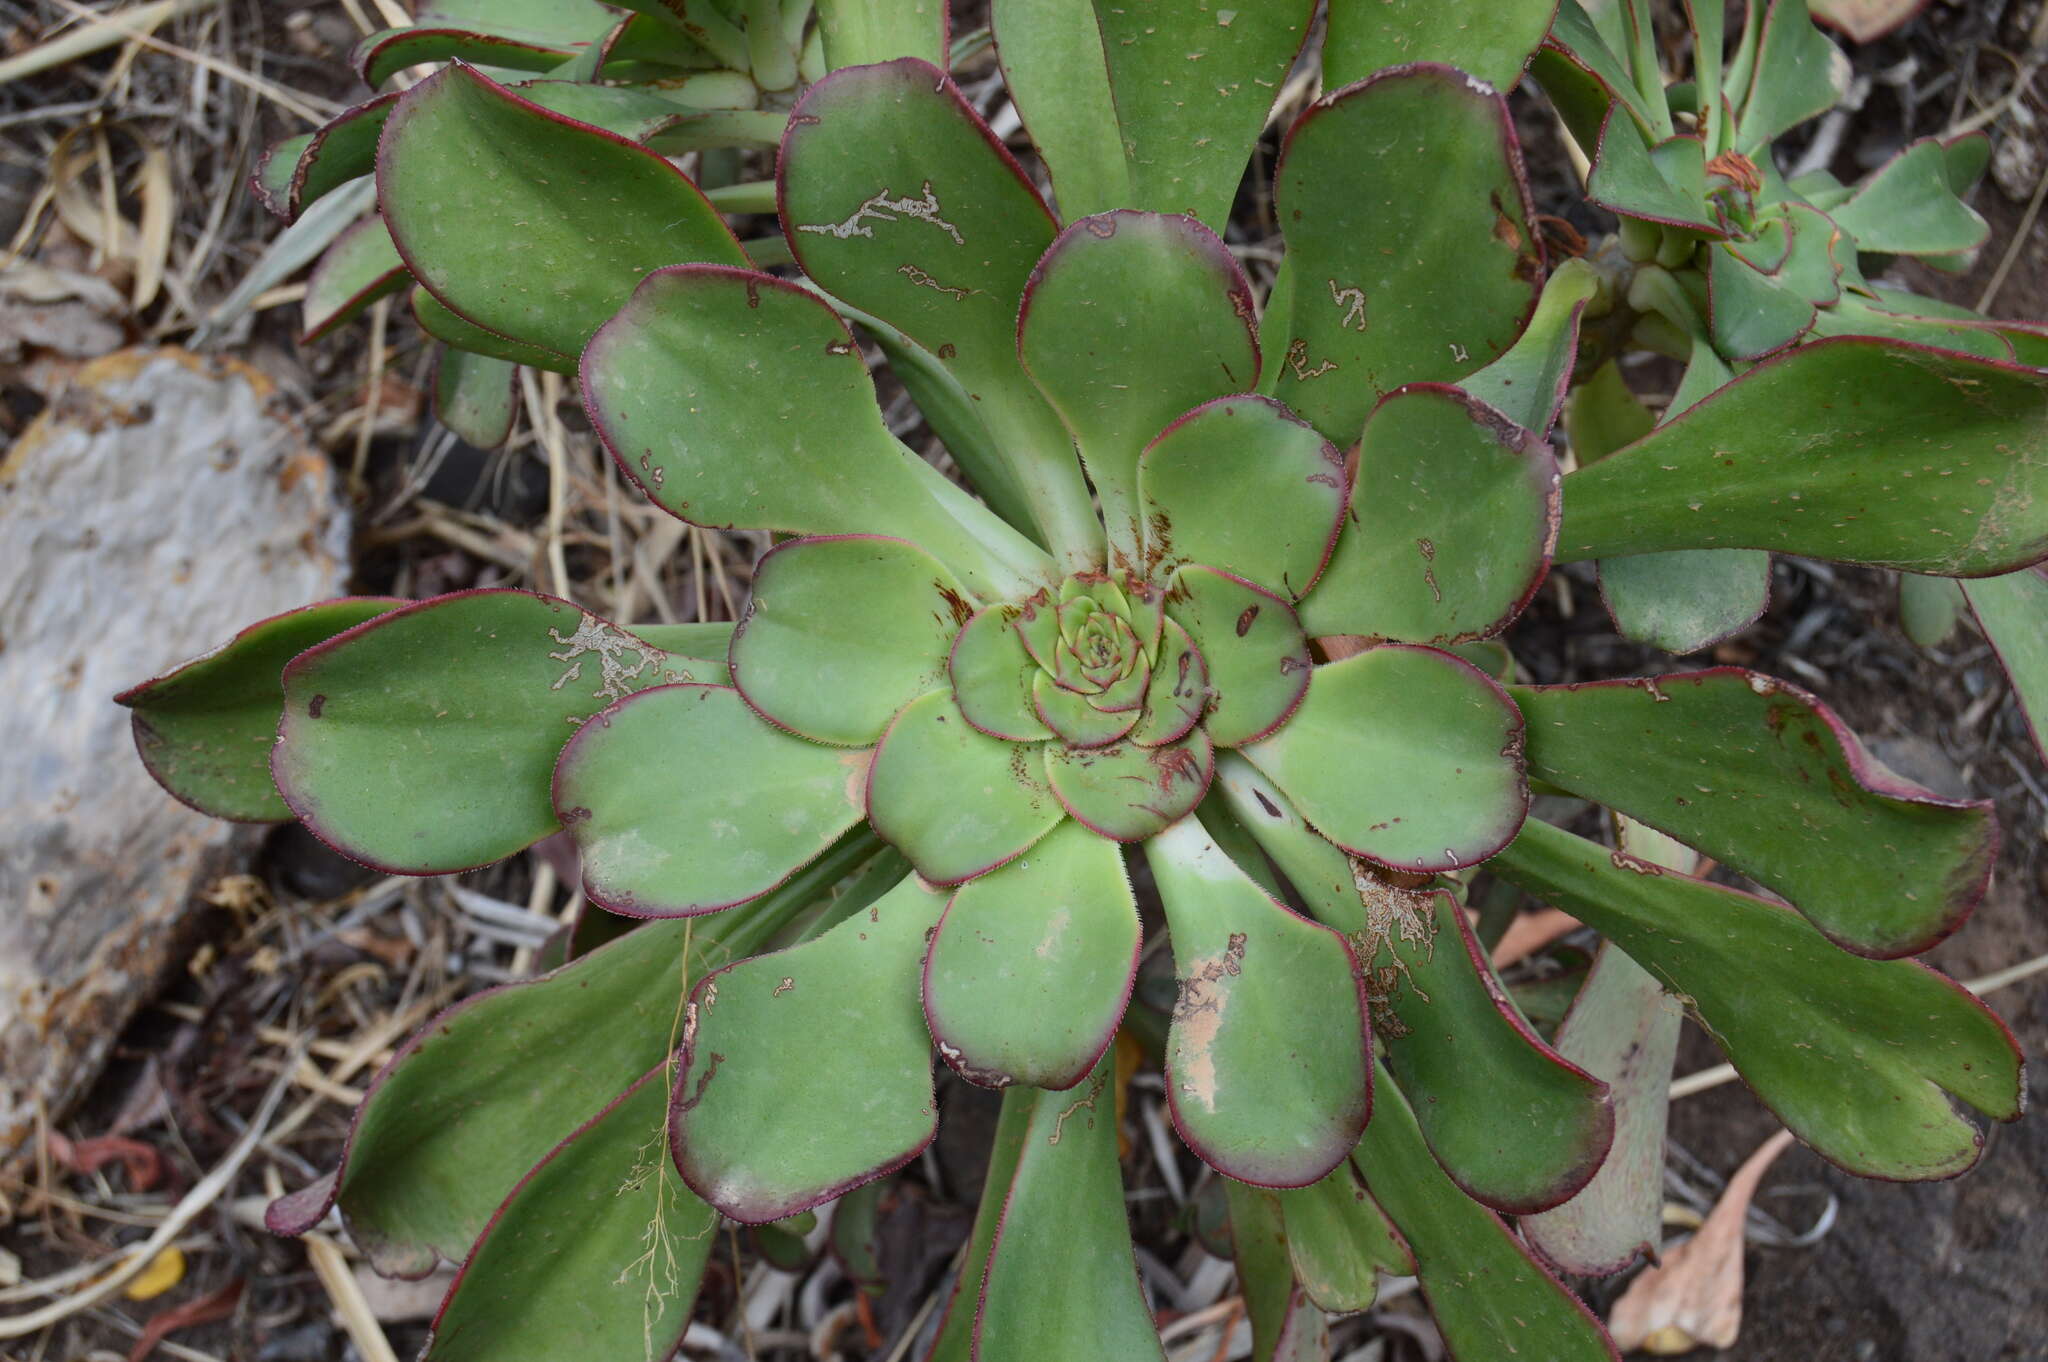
(1450, 1034)
(1858, 450)
(1795, 76)
(527, 223)
(1490, 1298)
(626, 1278)
(1242, 483)
(842, 632)
(1453, 515)
(1089, 332)
(1268, 1053)
(836, 1018)
(300, 170)
(1528, 384)
(1687, 600)
(1407, 756)
(359, 268)
(1286, 1325)
(861, 32)
(204, 730)
(1131, 791)
(461, 703)
(1061, 1280)
(1761, 776)
(1491, 39)
(1032, 964)
(437, 321)
(1252, 644)
(473, 396)
(380, 56)
(957, 802)
(992, 676)
(662, 834)
(2013, 612)
(1151, 106)
(1858, 1057)
(1341, 1241)
(1407, 221)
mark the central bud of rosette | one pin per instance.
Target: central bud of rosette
(1099, 645)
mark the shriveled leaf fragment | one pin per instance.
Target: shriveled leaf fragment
(2013, 613)
(1407, 225)
(1032, 964)
(359, 268)
(1857, 450)
(1490, 1298)
(1243, 484)
(1130, 791)
(1341, 1241)
(459, 705)
(527, 223)
(1513, 1123)
(473, 396)
(1686, 600)
(626, 1278)
(1859, 1057)
(1268, 1052)
(1151, 106)
(836, 1018)
(205, 730)
(1764, 778)
(1089, 334)
(645, 790)
(1491, 39)
(842, 632)
(957, 802)
(1866, 20)
(1453, 514)
(1408, 756)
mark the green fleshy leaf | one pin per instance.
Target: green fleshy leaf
(1628, 179)
(1130, 792)
(1493, 41)
(474, 396)
(955, 1341)
(1267, 1058)
(1490, 1298)
(1407, 756)
(1761, 776)
(661, 836)
(461, 703)
(494, 202)
(1794, 78)
(1861, 451)
(1286, 1325)
(1908, 208)
(462, 334)
(1073, 717)
(2013, 612)
(957, 802)
(359, 268)
(205, 730)
(1061, 1280)
(380, 56)
(1929, 607)
(1407, 221)
(842, 632)
(625, 1280)
(836, 1018)
(1253, 647)
(1750, 313)
(1528, 383)
(1688, 600)
(1453, 512)
(636, 115)
(1032, 964)
(567, 22)
(862, 32)
(1244, 484)
(1089, 332)
(1154, 106)
(1603, 414)
(271, 182)
(992, 676)
(1514, 1124)
(791, 440)
(1178, 691)
(1581, 74)
(300, 170)
(1855, 317)
(1811, 268)
(1340, 1242)
(492, 1084)
(1858, 1057)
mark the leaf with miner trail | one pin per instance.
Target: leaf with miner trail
(1762, 777)
(1408, 231)
(204, 730)
(836, 1018)
(1853, 449)
(1859, 1057)
(1032, 964)
(1268, 1055)
(461, 703)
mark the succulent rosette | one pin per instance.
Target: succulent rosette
(1224, 611)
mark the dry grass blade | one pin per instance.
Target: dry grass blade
(96, 34)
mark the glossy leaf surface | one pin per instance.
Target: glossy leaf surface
(1268, 1051)
(1859, 1057)
(1407, 756)
(836, 1018)
(1407, 224)
(1032, 964)
(1762, 777)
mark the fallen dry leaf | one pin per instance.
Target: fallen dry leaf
(217, 1305)
(1530, 933)
(1862, 20)
(1694, 1298)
